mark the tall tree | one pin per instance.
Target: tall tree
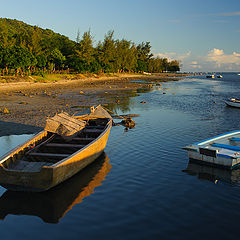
(85, 49)
(78, 38)
(126, 55)
(144, 55)
(174, 66)
(107, 52)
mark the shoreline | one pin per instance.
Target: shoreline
(29, 104)
(30, 84)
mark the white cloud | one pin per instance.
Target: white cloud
(195, 64)
(173, 55)
(221, 59)
(230, 14)
(215, 60)
(216, 52)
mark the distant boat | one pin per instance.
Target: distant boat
(219, 76)
(238, 73)
(233, 102)
(222, 150)
(210, 76)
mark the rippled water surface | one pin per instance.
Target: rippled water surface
(143, 187)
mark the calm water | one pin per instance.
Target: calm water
(143, 187)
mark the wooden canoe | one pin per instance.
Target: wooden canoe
(46, 159)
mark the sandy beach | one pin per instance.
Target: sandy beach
(25, 105)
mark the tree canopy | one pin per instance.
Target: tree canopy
(23, 46)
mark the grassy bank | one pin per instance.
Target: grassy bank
(55, 77)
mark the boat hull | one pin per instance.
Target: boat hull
(224, 162)
(233, 104)
(222, 151)
(50, 176)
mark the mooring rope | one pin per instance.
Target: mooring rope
(113, 113)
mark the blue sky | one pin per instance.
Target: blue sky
(203, 34)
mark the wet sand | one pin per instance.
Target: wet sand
(29, 103)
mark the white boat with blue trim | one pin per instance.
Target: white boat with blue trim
(222, 150)
(233, 102)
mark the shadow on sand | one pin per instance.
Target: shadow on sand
(11, 128)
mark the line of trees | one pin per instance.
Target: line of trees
(26, 49)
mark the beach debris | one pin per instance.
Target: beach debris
(81, 92)
(24, 103)
(163, 93)
(5, 111)
(128, 123)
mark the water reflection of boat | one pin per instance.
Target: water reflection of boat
(212, 174)
(53, 204)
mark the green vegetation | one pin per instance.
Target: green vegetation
(30, 50)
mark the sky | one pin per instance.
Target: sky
(202, 34)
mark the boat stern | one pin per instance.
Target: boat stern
(26, 181)
(213, 156)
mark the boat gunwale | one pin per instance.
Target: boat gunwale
(215, 138)
(37, 137)
(20, 147)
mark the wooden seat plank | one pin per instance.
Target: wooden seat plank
(94, 127)
(63, 145)
(83, 139)
(92, 130)
(49, 154)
